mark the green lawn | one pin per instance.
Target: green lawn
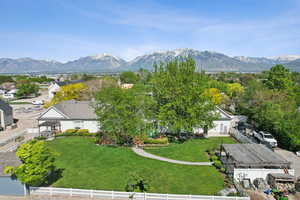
(89, 166)
(192, 150)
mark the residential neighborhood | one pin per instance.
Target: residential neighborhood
(149, 100)
(241, 158)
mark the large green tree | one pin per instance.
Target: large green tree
(37, 163)
(279, 78)
(129, 77)
(274, 110)
(27, 89)
(122, 113)
(178, 93)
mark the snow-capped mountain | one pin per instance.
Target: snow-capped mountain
(99, 62)
(285, 58)
(205, 60)
(27, 65)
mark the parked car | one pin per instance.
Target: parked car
(265, 138)
(38, 102)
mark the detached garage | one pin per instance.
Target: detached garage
(8, 185)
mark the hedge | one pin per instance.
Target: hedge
(163, 140)
(77, 132)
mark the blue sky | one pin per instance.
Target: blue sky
(67, 29)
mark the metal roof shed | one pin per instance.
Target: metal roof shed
(252, 156)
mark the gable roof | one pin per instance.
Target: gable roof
(73, 109)
(224, 115)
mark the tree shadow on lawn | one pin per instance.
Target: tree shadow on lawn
(56, 175)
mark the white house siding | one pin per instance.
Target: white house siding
(52, 114)
(240, 173)
(53, 88)
(91, 125)
(2, 122)
(6, 119)
(221, 128)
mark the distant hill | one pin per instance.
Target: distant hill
(206, 60)
(294, 65)
(97, 63)
(27, 65)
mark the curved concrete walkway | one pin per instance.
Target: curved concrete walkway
(143, 153)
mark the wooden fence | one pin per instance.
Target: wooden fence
(123, 195)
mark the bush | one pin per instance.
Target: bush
(211, 152)
(70, 131)
(82, 131)
(214, 158)
(218, 164)
(222, 170)
(40, 138)
(75, 132)
(163, 140)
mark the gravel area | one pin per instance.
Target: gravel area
(291, 157)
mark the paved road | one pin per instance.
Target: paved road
(291, 157)
(143, 153)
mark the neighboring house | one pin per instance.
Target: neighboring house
(6, 115)
(251, 161)
(56, 85)
(8, 86)
(13, 91)
(126, 85)
(221, 127)
(69, 115)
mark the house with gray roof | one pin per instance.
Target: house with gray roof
(6, 114)
(221, 126)
(70, 114)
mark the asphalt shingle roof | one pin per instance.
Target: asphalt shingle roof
(77, 109)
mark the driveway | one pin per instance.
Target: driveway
(291, 157)
(27, 115)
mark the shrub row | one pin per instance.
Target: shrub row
(77, 132)
(217, 163)
(163, 140)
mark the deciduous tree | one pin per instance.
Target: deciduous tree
(68, 92)
(178, 92)
(37, 163)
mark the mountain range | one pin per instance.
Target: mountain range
(206, 60)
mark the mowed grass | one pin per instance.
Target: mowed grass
(192, 150)
(89, 166)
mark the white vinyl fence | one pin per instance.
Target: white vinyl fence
(124, 195)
